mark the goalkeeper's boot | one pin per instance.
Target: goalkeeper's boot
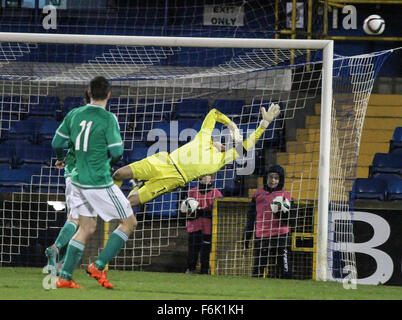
(136, 186)
(99, 275)
(51, 254)
(61, 283)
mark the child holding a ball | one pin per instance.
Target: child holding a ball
(199, 224)
(271, 237)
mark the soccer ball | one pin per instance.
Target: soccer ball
(374, 24)
(189, 205)
(280, 204)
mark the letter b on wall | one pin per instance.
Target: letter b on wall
(381, 233)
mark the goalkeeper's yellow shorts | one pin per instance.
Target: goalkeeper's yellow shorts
(161, 174)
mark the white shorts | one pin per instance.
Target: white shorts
(68, 193)
(109, 203)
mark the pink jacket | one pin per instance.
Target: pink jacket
(267, 224)
(205, 202)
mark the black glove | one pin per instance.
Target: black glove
(204, 213)
(246, 239)
(192, 215)
(246, 242)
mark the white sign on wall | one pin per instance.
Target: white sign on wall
(299, 15)
(222, 15)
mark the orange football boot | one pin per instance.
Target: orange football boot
(99, 275)
(61, 283)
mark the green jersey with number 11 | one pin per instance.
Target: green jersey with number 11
(94, 136)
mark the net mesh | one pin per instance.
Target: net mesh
(160, 96)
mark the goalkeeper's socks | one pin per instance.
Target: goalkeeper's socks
(65, 234)
(116, 241)
(73, 257)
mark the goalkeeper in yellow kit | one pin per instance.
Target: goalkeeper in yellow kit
(165, 172)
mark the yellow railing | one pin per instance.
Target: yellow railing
(328, 5)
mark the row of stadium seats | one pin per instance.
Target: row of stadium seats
(135, 120)
(52, 106)
(25, 146)
(384, 182)
(26, 167)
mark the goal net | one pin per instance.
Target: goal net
(161, 91)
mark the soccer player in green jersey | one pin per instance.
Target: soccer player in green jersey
(56, 252)
(95, 136)
(165, 172)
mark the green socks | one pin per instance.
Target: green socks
(65, 235)
(116, 241)
(73, 257)
(75, 249)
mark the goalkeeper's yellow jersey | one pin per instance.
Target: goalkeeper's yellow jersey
(199, 157)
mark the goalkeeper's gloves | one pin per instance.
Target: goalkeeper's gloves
(235, 132)
(192, 215)
(268, 116)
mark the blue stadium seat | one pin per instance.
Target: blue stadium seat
(13, 107)
(44, 106)
(225, 181)
(7, 153)
(32, 168)
(4, 166)
(48, 129)
(14, 180)
(229, 107)
(164, 206)
(121, 106)
(138, 153)
(395, 145)
(394, 191)
(247, 129)
(188, 123)
(35, 154)
(71, 103)
(47, 184)
(369, 189)
(154, 107)
(386, 163)
(191, 108)
(26, 129)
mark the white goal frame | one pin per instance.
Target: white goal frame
(326, 95)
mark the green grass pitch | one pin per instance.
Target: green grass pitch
(26, 284)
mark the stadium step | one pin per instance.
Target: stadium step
(381, 111)
(376, 111)
(365, 147)
(381, 123)
(385, 99)
(373, 147)
(312, 171)
(369, 136)
(374, 135)
(313, 122)
(284, 158)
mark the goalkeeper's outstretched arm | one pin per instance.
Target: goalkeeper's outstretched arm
(249, 143)
(267, 118)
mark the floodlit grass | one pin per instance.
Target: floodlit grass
(26, 284)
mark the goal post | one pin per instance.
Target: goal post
(152, 76)
(324, 164)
